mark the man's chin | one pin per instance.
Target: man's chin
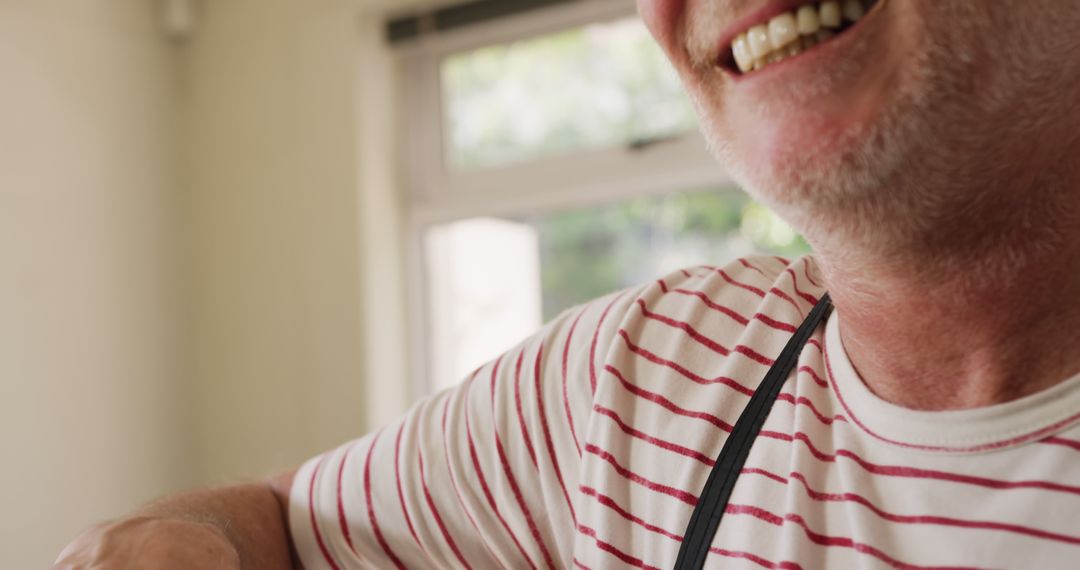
(794, 146)
(817, 159)
(782, 173)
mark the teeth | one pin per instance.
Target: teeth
(759, 41)
(794, 32)
(829, 14)
(808, 22)
(740, 48)
(783, 30)
(853, 10)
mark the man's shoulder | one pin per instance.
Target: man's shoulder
(783, 288)
(744, 286)
(754, 274)
(720, 300)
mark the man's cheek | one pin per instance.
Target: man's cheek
(662, 17)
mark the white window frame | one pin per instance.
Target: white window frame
(436, 193)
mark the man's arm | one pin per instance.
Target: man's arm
(482, 475)
(240, 526)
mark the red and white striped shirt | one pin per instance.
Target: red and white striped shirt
(586, 447)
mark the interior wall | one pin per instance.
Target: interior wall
(200, 251)
(389, 385)
(276, 97)
(91, 407)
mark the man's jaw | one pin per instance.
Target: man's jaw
(811, 106)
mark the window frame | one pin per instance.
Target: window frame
(435, 193)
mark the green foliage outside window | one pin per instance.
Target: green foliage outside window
(587, 253)
(600, 85)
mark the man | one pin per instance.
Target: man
(928, 151)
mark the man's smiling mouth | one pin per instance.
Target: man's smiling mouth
(790, 33)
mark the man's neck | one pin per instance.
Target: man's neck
(962, 331)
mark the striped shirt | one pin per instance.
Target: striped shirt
(586, 447)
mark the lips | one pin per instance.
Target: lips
(792, 32)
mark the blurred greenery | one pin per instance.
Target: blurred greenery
(588, 253)
(599, 85)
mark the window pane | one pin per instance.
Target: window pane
(595, 86)
(591, 252)
(483, 293)
(489, 280)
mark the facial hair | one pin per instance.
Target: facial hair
(951, 165)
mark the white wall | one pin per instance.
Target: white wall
(90, 424)
(200, 251)
(295, 228)
(380, 219)
(270, 107)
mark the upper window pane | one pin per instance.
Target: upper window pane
(596, 86)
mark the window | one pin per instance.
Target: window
(554, 158)
(587, 87)
(589, 252)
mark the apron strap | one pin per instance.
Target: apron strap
(714, 496)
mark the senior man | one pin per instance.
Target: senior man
(930, 153)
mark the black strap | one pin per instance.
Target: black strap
(714, 496)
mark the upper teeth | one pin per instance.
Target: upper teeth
(792, 32)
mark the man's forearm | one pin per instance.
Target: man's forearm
(250, 516)
(217, 527)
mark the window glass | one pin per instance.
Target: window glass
(590, 252)
(493, 281)
(594, 86)
(483, 289)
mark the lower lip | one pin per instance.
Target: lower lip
(826, 51)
